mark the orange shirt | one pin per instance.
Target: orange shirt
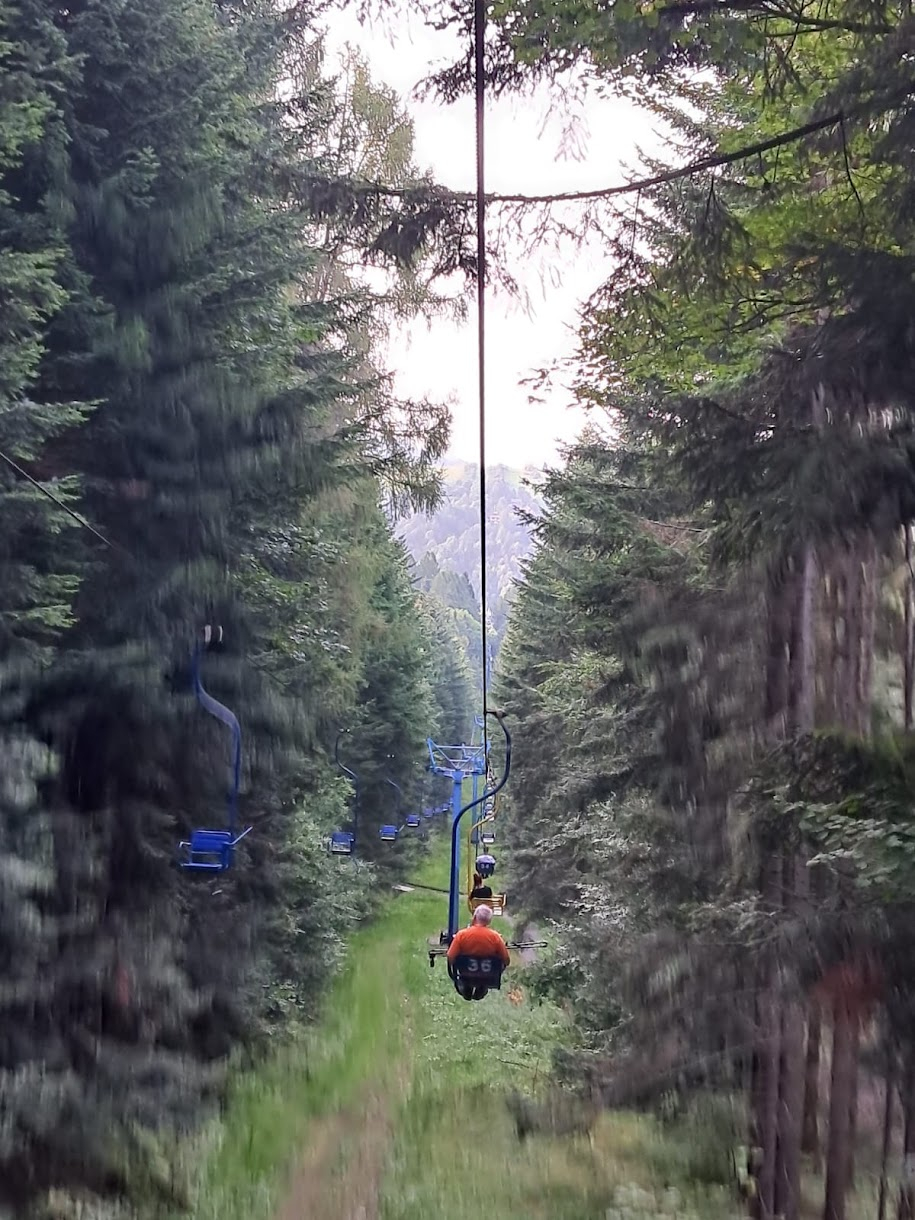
(478, 941)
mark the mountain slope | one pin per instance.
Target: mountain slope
(452, 533)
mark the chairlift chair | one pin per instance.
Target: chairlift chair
(496, 903)
(341, 843)
(482, 973)
(210, 849)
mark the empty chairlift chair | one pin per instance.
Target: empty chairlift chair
(342, 843)
(213, 849)
(390, 830)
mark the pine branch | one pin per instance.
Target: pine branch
(443, 194)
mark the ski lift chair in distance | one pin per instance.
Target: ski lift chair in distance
(343, 842)
(208, 849)
(389, 831)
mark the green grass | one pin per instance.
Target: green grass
(455, 1152)
(393, 1028)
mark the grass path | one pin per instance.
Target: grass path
(394, 1107)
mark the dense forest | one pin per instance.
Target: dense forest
(445, 544)
(709, 663)
(188, 371)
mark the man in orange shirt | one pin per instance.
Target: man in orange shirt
(479, 940)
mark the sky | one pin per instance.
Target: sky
(524, 138)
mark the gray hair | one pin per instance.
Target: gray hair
(483, 915)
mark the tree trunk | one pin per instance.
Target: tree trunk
(810, 1142)
(851, 649)
(767, 1118)
(908, 653)
(906, 1207)
(790, 1111)
(887, 1141)
(768, 1055)
(837, 1154)
(804, 675)
(869, 568)
(792, 1076)
(777, 660)
(853, 1102)
(830, 670)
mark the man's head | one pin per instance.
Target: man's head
(483, 916)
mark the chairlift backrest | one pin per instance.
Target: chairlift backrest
(481, 971)
(341, 843)
(496, 903)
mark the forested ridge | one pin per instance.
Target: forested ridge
(445, 545)
(709, 664)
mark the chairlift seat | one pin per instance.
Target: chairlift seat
(210, 850)
(341, 843)
(388, 834)
(412, 820)
(487, 837)
(429, 812)
(478, 971)
(496, 904)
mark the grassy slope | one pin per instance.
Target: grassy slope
(395, 1034)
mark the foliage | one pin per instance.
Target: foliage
(173, 373)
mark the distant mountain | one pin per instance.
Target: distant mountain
(452, 533)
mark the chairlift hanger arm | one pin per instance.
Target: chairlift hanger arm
(343, 767)
(484, 796)
(223, 714)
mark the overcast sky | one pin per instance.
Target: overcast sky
(523, 153)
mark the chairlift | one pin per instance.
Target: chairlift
(213, 850)
(496, 903)
(342, 843)
(474, 977)
(389, 831)
(412, 821)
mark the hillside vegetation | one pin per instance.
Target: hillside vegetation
(445, 545)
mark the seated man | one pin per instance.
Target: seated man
(479, 940)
